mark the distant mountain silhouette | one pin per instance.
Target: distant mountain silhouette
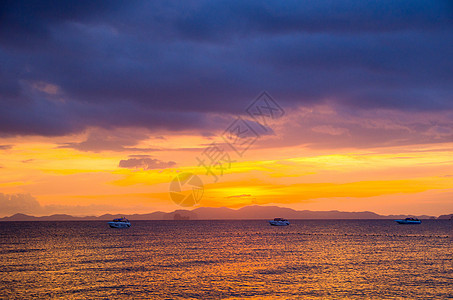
(224, 213)
(270, 212)
(447, 217)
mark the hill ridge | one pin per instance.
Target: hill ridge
(225, 213)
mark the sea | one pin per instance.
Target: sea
(233, 259)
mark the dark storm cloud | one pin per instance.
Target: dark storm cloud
(219, 19)
(24, 23)
(69, 66)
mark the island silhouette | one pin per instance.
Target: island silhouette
(254, 212)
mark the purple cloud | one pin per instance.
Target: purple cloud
(167, 65)
(145, 163)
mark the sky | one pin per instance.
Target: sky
(319, 105)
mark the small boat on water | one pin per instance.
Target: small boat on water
(409, 221)
(279, 222)
(120, 223)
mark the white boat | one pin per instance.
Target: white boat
(279, 222)
(120, 223)
(409, 221)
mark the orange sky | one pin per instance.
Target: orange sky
(330, 170)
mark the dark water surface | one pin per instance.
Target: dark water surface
(226, 259)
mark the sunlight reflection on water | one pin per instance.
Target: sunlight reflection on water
(226, 259)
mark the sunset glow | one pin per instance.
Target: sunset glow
(98, 116)
(381, 179)
(212, 149)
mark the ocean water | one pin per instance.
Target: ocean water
(310, 259)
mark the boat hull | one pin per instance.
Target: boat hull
(279, 223)
(119, 224)
(406, 222)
